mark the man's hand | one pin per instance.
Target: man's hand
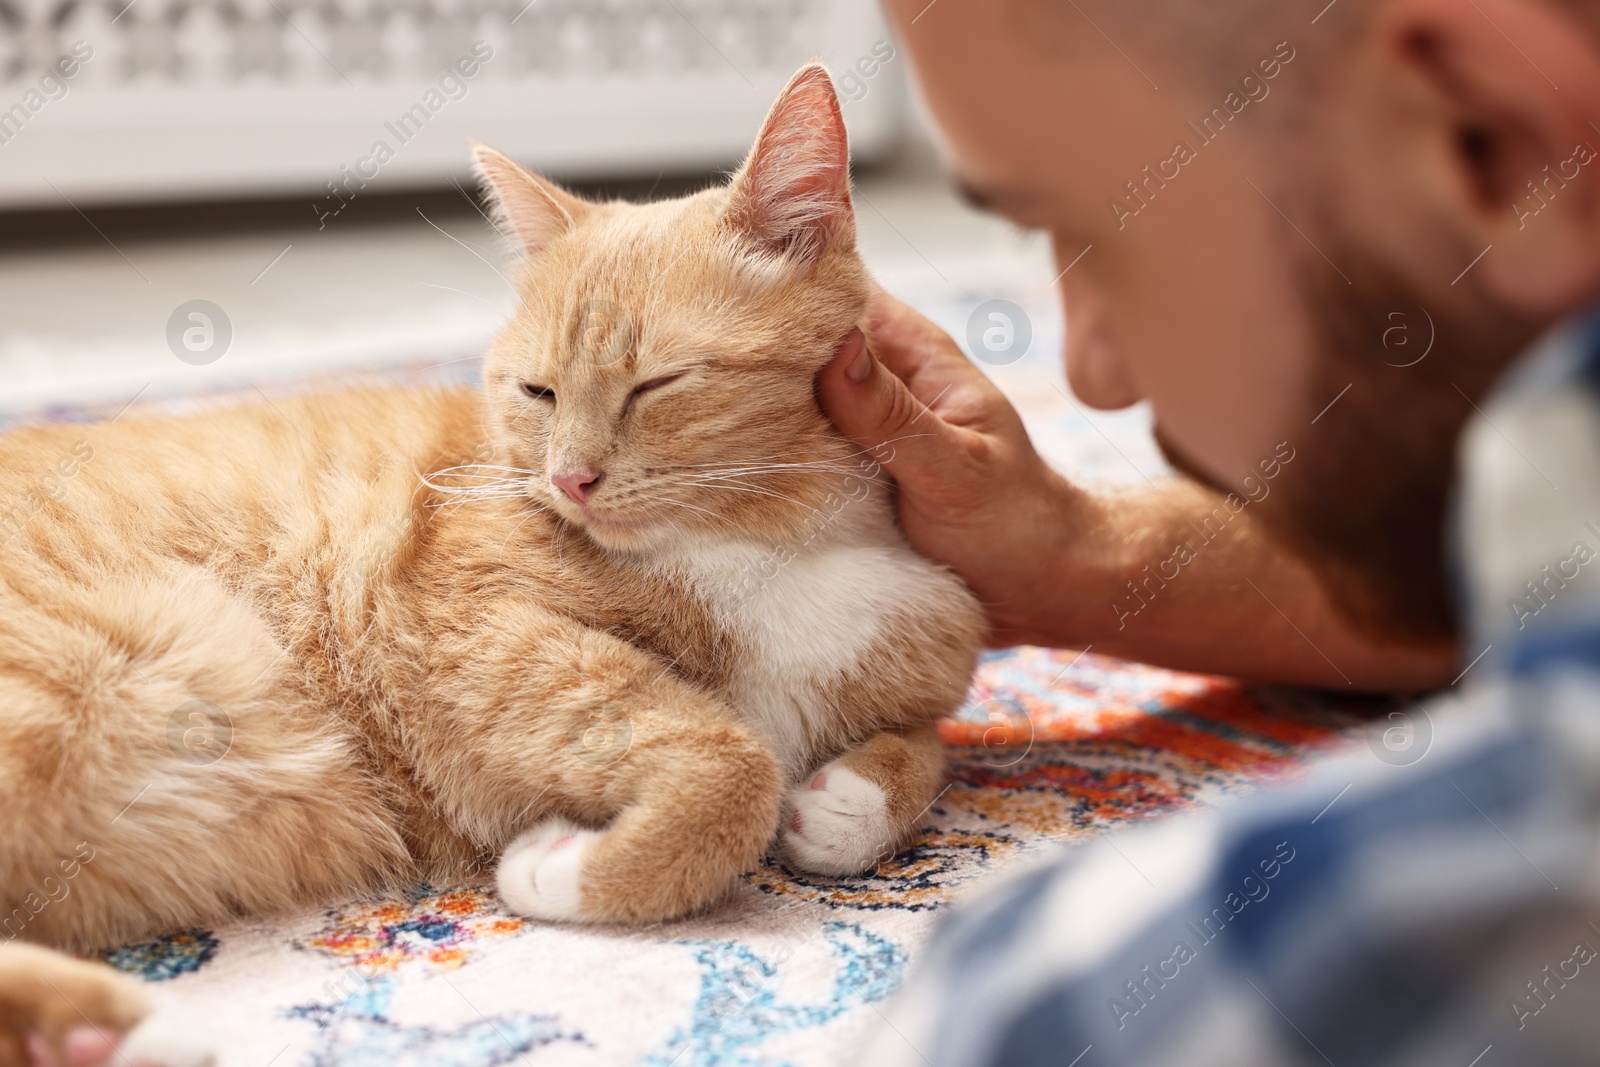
(1056, 566)
(973, 492)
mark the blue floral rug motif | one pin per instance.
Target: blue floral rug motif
(165, 958)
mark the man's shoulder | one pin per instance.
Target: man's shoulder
(1528, 506)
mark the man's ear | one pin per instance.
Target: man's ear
(1501, 97)
(792, 196)
(536, 211)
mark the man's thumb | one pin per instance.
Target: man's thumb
(877, 410)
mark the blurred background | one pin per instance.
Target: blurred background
(197, 195)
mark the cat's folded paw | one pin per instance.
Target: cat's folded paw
(55, 1009)
(164, 1040)
(837, 823)
(161, 1040)
(538, 875)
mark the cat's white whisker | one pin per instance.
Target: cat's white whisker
(561, 538)
(478, 484)
(764, 463)
(467, 469)
(741, 488)
(692, 507)
(788, 469)
(755, 459)
(531, 514)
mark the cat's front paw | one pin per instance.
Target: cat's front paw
(162, 1040)
(55, 1009)
(837, 823)
(538, 874)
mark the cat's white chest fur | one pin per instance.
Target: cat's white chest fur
(805, 617)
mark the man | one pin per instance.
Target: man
(1368, 232)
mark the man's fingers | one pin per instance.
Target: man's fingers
(916, 350)
(876, 410)
(908, 342)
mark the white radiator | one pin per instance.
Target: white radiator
(110, 101)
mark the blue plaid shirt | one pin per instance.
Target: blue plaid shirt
(1433, 897)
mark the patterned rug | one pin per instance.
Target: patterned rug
(1052, 748)
(790, 969)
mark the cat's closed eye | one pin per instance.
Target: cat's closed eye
(646, 387)
(538, 392)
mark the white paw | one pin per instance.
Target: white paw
(538, 875)
(164, 1040)
(837, 823)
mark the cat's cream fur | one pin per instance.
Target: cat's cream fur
(415, 657)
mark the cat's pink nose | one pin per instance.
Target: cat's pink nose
(577, 486)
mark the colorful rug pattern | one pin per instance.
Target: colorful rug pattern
(1052, 748)
(788, 970)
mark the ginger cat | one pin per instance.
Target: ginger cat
(619, 622)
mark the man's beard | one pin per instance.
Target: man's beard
(1366, 500)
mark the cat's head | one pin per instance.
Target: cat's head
(656, 380)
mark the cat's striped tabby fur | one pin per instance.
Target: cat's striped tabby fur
(609, 628)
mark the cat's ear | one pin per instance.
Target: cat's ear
(536, 211)
(792, 196)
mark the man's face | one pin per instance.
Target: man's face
(1187, 295)
(1218, 266)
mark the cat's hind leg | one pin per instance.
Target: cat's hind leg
(861, 808)
(159, 774)
(170, 771)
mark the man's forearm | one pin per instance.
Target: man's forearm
(1180, 580)
(1158, 576)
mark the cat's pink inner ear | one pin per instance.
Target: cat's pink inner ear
(792, 196)
(534, 210)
